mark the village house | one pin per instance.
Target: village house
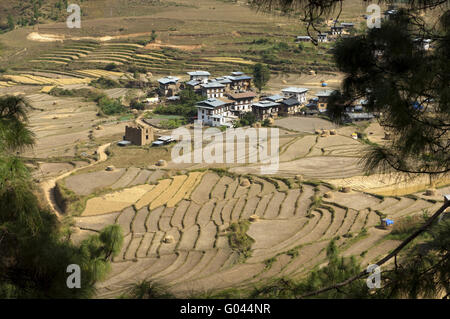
(213, 90)
(168, 86)
(139, 135)
(200, 76)
(215, 112)
(225, 81)
(297, 93)
(303, 38)
(336, 30)
(242, 101)
(323, 97)
(240, 81)
(322, 37)
(289, 107)
(265, 109)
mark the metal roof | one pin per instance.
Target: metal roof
(290, 102)
(213, 85)
(266, 104)
(193, 83)
(325, 93)
(168, 79)
(295, 90)
(240, 78)
(274, 98)
(199, 73)
(212, 103)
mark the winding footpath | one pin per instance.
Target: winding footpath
(48, 186)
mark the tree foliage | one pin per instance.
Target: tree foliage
(261, 75)
(407, 86)
(34, 253)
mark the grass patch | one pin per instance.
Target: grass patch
(406, 226)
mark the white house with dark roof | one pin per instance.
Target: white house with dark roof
(322, 37)
(336, 29)
(215, 112)
(297, 93)
(200, 76)
(213, 90)
(303, 38)
(168, 85)
(242, 101)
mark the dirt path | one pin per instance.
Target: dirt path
(49, 186)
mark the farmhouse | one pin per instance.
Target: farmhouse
(322, 37)
(289, 106)
(213, 90)
(139, 135)
(242, 101)
(200, 76)
(297, 93)
(240, 81)
(225, 81)
(336, 30)
(215, 112)
(168, 86)
(265, 109)
(323, 96)
(303, 38)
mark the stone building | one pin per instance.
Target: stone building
(139, 135)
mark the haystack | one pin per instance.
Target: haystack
(110, 168)
(169, 239)
(245, 182)
(254, 218)
(325, 133)
(328, 195)
(346, 189)
(431, 192)
(161, 163)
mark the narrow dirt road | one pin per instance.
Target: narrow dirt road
(48, 186)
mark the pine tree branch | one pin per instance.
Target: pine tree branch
(385, 259)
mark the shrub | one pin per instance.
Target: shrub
(111, 106)
(105, 83)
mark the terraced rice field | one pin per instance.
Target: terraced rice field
(153, 59)
(176, 232)
(41, 80)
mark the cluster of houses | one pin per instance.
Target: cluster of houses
(229, 98)
(334, 32)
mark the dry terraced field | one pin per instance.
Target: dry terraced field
(177, 232)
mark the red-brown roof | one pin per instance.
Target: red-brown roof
(243, 95)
